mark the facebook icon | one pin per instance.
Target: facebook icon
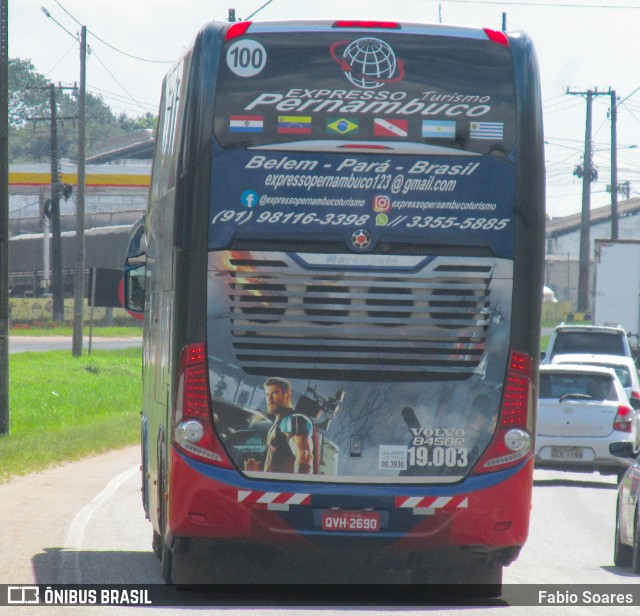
(249, 198)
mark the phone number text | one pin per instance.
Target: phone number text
(358, 220)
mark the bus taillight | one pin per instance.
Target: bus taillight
(193, 425)
(512, 441)
(385, 25)
(497, 36)
(236, 30)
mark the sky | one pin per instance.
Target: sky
(581, 45)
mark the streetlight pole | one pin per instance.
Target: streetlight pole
(78, 301)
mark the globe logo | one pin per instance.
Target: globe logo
(369, 63)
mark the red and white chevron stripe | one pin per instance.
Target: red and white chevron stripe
(430, 505)
(279, 501)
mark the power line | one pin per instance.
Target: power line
(116, 80)
(628, 96)
(119, 98)
(553, 98)
(66, 53)
(631, 112)
(556, 143)
(566, 105)
(129, 55)
(124, 53)
(24, 207)
(128, 109)
(258, 10)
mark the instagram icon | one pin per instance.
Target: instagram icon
(381, 203)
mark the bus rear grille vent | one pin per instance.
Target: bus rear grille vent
(358, 325)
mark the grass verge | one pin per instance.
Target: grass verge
(544, 342)
(65, 408)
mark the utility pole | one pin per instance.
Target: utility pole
(614, 166)
(588, 175)
(57, 288)
(78, 301)
(585, 228)
(46, 256)
(4, 217)
(52, 206)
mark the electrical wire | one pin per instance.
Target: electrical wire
(116, 80)
(121, 104)
(128, 55)
(124, 53)
(24, 207)
(257, 10)
(115, 96)
(66, 53)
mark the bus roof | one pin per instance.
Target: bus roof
(429, 29)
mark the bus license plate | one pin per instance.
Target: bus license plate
(351, 521)
(567, 453)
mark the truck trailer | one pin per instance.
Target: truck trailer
(616, 296)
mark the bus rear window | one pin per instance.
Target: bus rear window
(588, 342)
(346, 88)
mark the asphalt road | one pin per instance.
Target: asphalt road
(20, 344)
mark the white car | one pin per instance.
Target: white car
(625, 369)
(581, 410)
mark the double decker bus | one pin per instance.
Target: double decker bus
(340, 270)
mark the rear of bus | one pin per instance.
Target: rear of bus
(374, 235)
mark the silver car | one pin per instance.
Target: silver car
(587, 339)
(581, 410)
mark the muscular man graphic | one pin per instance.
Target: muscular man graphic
(290, 438)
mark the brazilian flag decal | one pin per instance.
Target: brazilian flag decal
(342, 126)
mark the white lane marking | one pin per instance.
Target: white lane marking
(75, 535)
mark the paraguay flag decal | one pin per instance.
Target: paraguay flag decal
(246, 124)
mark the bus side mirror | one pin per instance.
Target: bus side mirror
(134, 281)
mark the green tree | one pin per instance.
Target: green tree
(28, 97)
(29, 110)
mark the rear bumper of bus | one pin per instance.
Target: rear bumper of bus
(486, 515)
